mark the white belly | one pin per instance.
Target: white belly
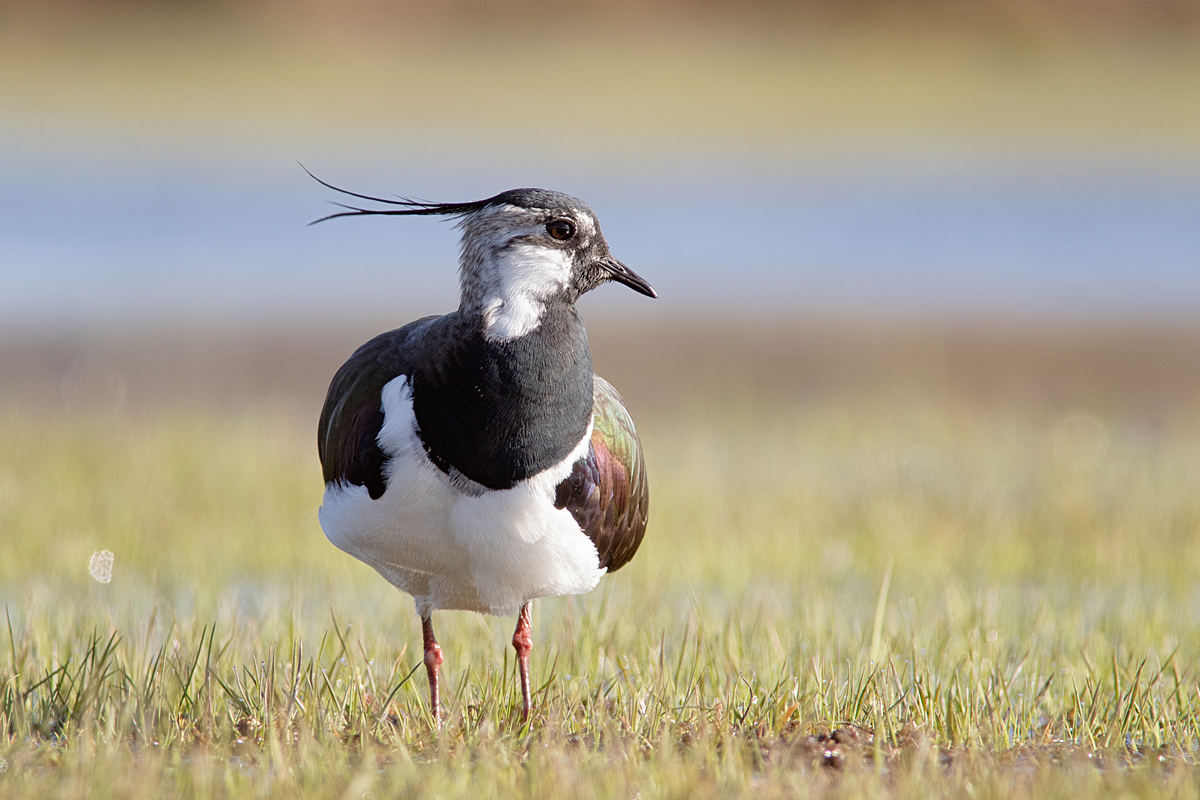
(451, 549)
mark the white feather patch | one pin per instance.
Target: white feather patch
(525, 275)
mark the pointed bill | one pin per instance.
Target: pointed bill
(622, 274)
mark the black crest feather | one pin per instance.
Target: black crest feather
(526, 198)
(408, 206)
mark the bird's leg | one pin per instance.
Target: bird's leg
(433, 660)
(523, 642)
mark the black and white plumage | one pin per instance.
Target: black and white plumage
(474, 459)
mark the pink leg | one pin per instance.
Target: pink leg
(523, 643)
(433, 660)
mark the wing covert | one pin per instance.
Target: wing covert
(607, 491)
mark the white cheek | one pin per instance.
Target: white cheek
(535, 269)
(526, 275)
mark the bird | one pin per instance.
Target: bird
(474, 459)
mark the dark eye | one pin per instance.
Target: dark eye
(561, 229)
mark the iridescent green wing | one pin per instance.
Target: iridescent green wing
(607, 491)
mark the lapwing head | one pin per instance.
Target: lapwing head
(520, 251)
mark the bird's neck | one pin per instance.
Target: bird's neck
(510, 291)
(554, 346)
(502, 411)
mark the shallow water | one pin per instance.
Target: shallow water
(175, 234)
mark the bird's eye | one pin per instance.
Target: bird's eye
(561, 229)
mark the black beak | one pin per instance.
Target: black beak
(622, 274)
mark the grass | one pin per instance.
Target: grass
(902, 596)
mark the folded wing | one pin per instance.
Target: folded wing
(607, 492)
(348, 434)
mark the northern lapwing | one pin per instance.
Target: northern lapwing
(474, 459)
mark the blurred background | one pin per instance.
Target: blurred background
(992, 165)
(997, 196)
(929, 275)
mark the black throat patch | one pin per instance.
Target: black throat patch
(501, 412)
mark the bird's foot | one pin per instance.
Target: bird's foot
(433, 662)
(522, 642)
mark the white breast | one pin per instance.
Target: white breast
(488, 552)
